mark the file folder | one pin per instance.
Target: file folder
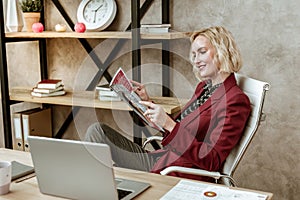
(36, 122)
(18, 142)
(16, 119)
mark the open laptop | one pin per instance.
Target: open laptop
(78, 170)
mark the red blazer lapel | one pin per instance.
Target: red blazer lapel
(216, 96)
(219, 93)
(198, 91)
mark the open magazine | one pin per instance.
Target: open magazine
(123, 87)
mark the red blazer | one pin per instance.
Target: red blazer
(204, 138)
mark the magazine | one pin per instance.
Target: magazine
(123, 87)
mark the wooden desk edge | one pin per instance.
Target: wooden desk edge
(158, 184)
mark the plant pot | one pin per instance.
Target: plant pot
(31, 18)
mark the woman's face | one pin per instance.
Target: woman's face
(203, 53)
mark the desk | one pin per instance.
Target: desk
(28, 189)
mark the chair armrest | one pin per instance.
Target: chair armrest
(200, 172)
(151, 138)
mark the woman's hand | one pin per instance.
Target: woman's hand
(140, 90)
(158, 116)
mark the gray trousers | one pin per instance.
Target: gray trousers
(125, 153)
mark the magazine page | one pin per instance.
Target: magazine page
(120, 78)
(123, 87)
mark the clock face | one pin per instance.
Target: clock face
(96, 14)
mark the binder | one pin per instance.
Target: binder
(36, 122)
(18, 142)
(16, 119)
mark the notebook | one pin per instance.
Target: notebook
(19, 170)
(78, 170)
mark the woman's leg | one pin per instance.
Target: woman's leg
(124, 152)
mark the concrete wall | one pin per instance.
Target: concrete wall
(267, 33)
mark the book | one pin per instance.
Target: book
(49, 83)
(123, 87)
(155, 28)
(104, 87)
(47, 91)
(107, 93)
(109, 98)
(105, 90)
(57, 93)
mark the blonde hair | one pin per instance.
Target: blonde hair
(227, 53)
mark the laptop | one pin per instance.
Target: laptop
(79, 170)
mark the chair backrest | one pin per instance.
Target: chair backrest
(255, 90)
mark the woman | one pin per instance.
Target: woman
(208, 127)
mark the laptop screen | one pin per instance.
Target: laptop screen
(77, 170)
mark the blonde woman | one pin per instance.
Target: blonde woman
(208, 127)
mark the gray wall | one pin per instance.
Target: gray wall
(267, 33)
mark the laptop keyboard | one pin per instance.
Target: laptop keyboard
(123, 193)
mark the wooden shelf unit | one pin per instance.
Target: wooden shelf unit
(98, 35)
(89, 99)
(86, 99)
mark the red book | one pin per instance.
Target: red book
(49, 83)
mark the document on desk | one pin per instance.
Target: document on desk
(186, 189)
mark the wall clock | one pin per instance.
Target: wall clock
(96, 14)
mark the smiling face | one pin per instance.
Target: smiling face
(202, 56)
(214, 54)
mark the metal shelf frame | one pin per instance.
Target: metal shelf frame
(137, 12)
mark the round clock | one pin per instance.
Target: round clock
(97, 15)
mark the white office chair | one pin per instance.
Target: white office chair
(255, 90)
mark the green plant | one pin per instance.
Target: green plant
(31, 5)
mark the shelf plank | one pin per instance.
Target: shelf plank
(97, 35)
(88, 99)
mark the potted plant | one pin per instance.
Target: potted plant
(31, 12)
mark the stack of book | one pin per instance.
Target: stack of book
(155, 28)
(48, 88)
(105, 93)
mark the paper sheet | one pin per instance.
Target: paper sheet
(194, 190)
